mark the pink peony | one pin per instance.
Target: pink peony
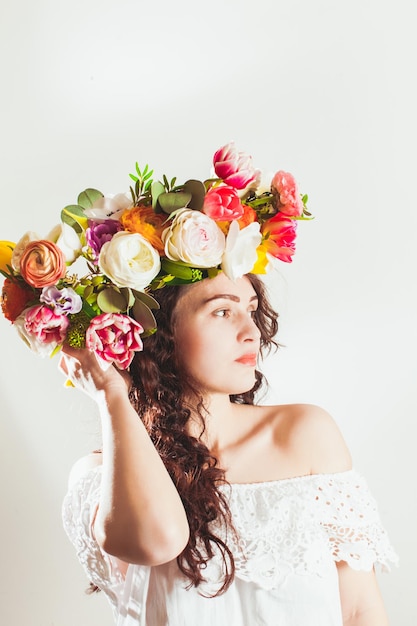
(235, 168)
(285, 188)
(279, 237)
(115, 338)
(223, 203)
(46, 325)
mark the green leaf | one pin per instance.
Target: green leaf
(147, 299)
(142, 314)
(197, 191)
(170, 201)
(88, 310)
(87, 198)
(133, 177)
(129, 297)
(111, 301)
(73, 215)
(156, 189)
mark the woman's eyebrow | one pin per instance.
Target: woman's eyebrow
(227, 296)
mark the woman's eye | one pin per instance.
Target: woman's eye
(222, 313)
(253, 314)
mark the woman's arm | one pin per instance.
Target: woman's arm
(360, 598)
(140, 518)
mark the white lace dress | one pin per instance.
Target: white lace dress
(291, 533)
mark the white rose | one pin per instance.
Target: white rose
(39, 348)
(20, 247)
(194, 238)
(109, 207)
(129, 260)
(67, 239)
(240, 254)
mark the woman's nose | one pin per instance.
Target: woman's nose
(249, 331)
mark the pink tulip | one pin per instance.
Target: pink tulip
(223, 203)
(46, 325)
(285, 188)
(115, 338)
(279, 237)
(235, 168)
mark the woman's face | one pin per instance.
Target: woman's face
(217, 338)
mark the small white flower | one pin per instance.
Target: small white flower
(109, 207)
(67, 239)
(240, 254)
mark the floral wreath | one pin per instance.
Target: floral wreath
(162, 233)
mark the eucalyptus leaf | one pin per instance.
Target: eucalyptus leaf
(156, 189)
(146, 299)
(129, 297)
(143, 315)
(87, 197)
(170, 202)
(111, 301)
(197, 191)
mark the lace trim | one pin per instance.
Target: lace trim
(78, 510)
(292, 526)
(302, 525)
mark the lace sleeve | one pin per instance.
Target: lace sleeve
(349, 515)
(79, 508)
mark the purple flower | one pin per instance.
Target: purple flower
(63, 301)
(99, 233)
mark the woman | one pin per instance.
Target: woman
(210, 509)
(201, 506)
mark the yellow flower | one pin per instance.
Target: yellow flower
(6, 249)
(261, 261)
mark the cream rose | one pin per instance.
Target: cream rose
(240, 254)
(194, 238)
(129, 260)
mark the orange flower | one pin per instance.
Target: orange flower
(248, 216)
(14, 299)
(42, 263)
(144, 220)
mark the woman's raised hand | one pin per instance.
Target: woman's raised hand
(85, 372)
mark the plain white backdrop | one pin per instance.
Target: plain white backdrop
(322, 88)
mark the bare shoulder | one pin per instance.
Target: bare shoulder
(82, 466)
(310, 433)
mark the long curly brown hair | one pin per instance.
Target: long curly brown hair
(160, 386)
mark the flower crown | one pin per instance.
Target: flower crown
(162, 233)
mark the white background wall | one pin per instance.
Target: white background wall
(323, 88)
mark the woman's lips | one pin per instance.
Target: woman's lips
(248, 359)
